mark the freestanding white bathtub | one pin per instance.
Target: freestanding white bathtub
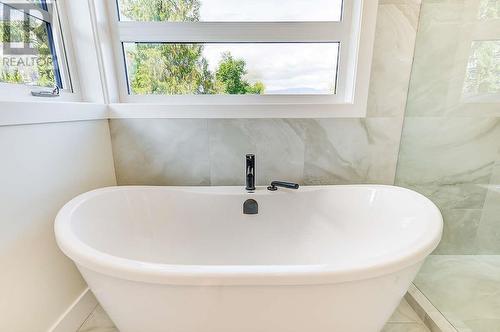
(181, 259)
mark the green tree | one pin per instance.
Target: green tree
(38, 69)
(258, 88)
(11, 76)
(161, 10)
(10, 31)
(166, 68)
(44, 62)
(231, 75)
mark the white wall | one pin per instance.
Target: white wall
(41, 167)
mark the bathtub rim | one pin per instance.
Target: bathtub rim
(175, 274)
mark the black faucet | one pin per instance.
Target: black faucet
(250, 173)
(275, 184)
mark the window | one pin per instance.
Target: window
(481, 68)
(482, 78)
(231, 68)
(489, 10)
(32, 48)
(314, 53)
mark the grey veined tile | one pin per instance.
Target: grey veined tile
(392, 58)
(346, 151)
(436, 47)
(161, 151)
(464, 288)
(488, 235)
(450, 160)
(404, 314)
(443, 54)
(278, 147)
(460, 232)
(450, 193)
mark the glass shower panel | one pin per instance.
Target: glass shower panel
(450, 152)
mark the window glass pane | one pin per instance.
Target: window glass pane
(25, 50)
(230, 10)
(482, 77)
(248, 68)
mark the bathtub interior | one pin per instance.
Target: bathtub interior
(342, 226)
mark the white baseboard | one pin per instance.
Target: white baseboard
(75, 315)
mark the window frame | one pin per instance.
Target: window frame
(478, 30)
(60, 42)
(355, 32)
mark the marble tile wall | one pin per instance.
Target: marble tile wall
(404, 319)
(450, 148)
(465, 289)
(308, 151)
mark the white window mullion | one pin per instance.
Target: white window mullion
(342, 68)
(200, 32)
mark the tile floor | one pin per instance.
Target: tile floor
(465, 288)
(404, 319)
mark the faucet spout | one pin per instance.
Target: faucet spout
(250, 172)
(275, 184)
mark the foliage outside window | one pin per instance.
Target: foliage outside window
(489, 9)
(179, 68)
(28, 52)
(483, 69)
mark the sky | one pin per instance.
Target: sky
(270, 10)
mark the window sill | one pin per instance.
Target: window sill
(29, 112)
(235, 111)
(17, 92)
